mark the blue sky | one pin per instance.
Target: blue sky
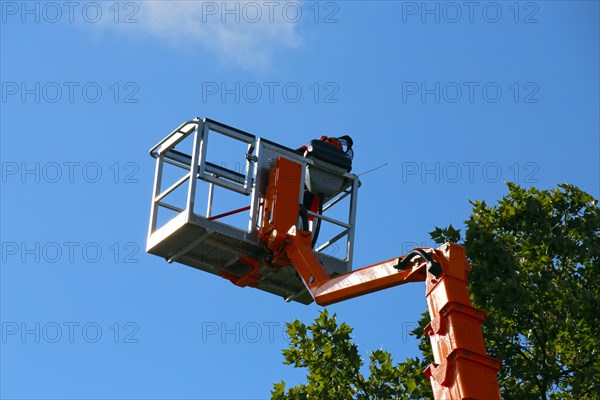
(456, 100)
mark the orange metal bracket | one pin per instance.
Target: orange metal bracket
(250, 278)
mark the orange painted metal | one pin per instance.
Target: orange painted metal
(461, 368)
(281, 205)
(250, 278)
(327, 290)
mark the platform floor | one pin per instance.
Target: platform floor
(214, 247)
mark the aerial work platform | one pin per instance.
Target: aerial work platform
(272, 242)
(180, 232)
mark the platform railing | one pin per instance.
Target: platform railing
(159, 153)
(348, 231)
(252, 182)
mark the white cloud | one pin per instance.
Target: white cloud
(243, 33)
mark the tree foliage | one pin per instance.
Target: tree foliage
(334, 364)
(536, 271)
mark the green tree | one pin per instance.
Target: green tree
(536, 271)
(325, 348)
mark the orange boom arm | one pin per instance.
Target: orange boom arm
(461, 368)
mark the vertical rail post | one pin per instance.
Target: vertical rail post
(352, 222)
(198, 142)
(155, 192)
(211, 193)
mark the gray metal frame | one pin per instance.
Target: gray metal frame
(260, 155)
